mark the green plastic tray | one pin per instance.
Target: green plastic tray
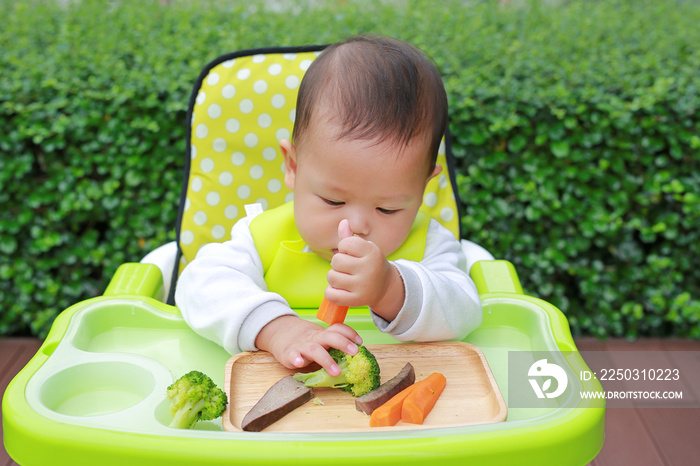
(95, 391)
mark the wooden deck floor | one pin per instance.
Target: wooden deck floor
(633, 436)
(14, 354)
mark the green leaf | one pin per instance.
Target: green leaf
(560, 149)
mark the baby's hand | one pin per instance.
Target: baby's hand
(296, 342)
(361, 275)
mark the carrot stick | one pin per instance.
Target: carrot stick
(421, 400)
(331, 313)
(389, 413)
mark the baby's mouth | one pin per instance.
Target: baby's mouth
(334, 251)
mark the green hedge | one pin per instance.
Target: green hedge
(574, 123)
(579, 130)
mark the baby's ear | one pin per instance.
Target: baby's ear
(436, 171)
(290, 162)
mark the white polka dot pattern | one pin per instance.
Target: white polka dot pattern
(243, 109)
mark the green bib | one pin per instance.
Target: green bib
(300, 277)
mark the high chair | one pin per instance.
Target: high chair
(95, 391)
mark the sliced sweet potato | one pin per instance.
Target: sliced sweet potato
(380, 395)
(281, 399)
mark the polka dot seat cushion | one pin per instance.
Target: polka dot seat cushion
(242, 105)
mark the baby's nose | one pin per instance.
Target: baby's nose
(359, 225)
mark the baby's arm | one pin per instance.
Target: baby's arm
(222, 294)
(441, 300)
(434, 299)
(223, 297)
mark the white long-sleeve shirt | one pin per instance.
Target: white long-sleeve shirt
(223, 296)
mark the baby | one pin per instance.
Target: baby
(371, 113)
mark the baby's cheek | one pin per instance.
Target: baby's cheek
(319, 233)
(393, 238)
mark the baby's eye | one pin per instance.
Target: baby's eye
(387, 211)
(332, 203)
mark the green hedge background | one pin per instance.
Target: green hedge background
(575, 125)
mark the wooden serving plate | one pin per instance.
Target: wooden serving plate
(471, 395)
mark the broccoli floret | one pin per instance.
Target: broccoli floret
(359, 374)
(195, 397)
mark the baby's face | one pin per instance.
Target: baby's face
(377, 189)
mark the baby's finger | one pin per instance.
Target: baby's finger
(344, 230)
(339, 279)
(340, 297)
(347, 331)
(320, 355)
(294, 359)
(354, 246)
(331, 339)
(345, 263)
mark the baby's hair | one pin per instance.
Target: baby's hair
(374, 88)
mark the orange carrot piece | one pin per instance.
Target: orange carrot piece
(331, 313)
(421, 401)
(389, 413)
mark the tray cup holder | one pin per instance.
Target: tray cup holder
(96, 388)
